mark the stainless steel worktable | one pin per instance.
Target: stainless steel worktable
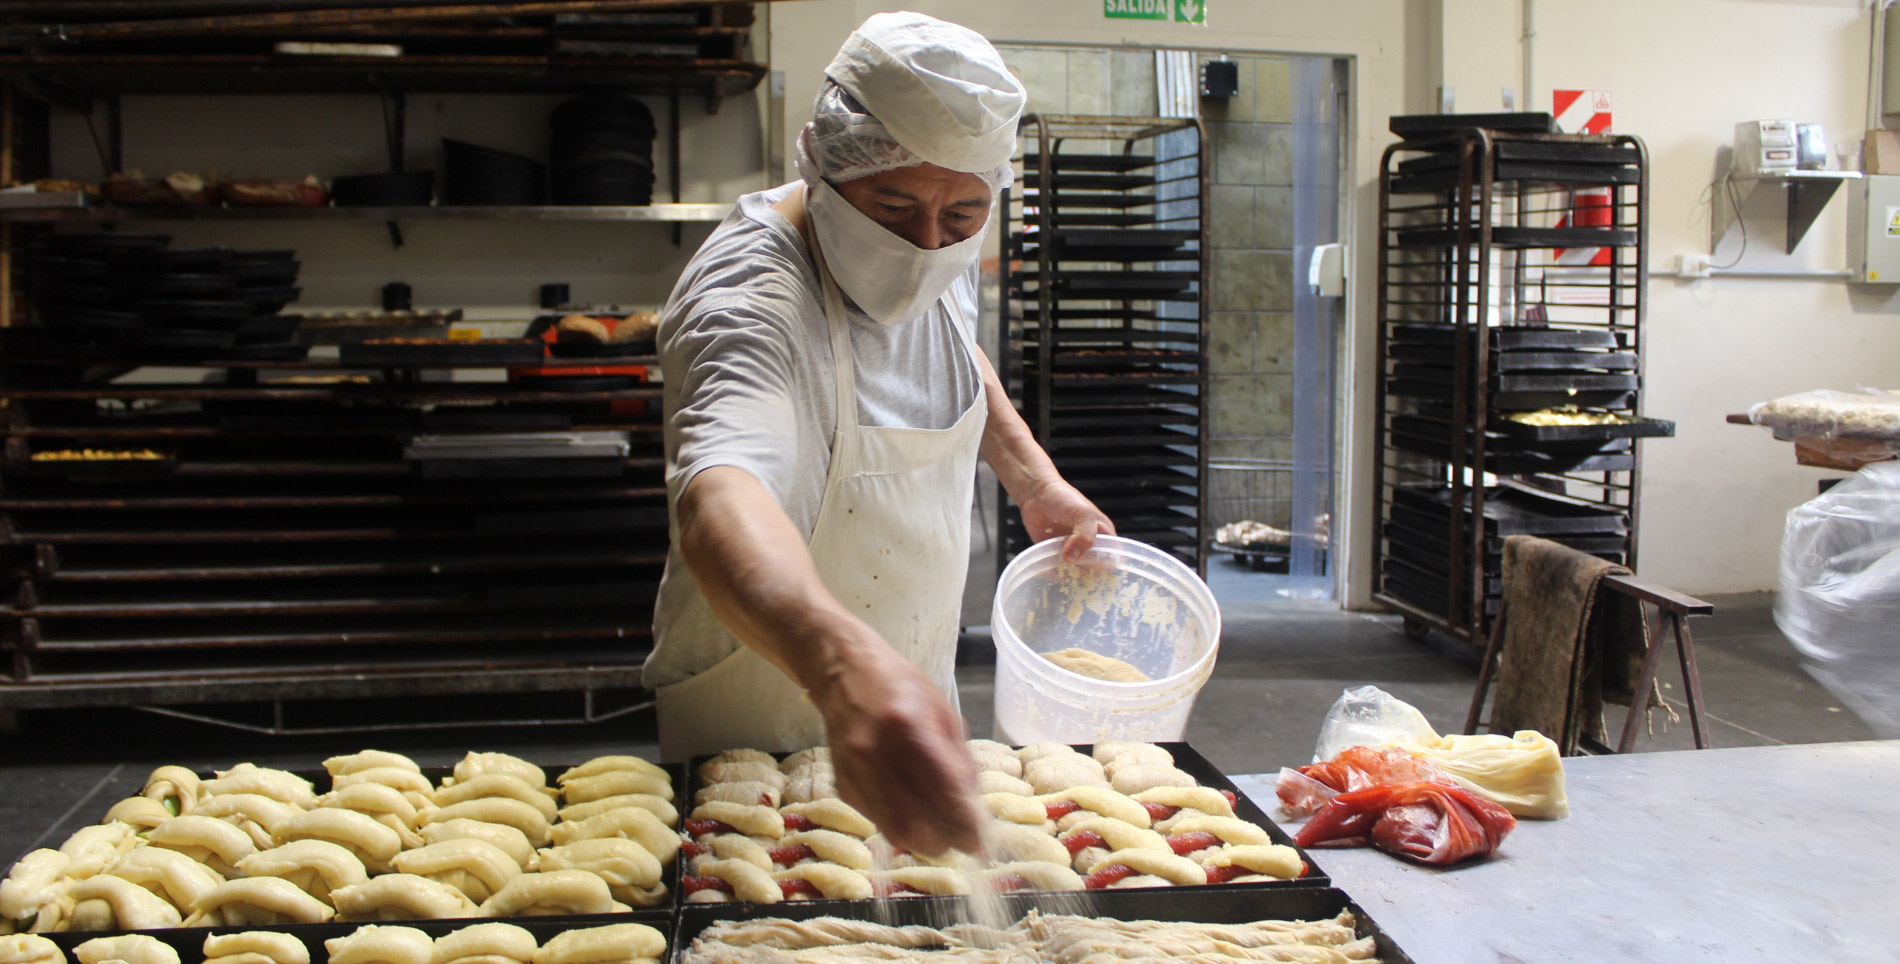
(1766, 854)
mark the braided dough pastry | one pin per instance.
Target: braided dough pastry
(372, 843)
(401, 897)
(610, 764)
(512, 842)
(1037, 751)
(748, 882)
(813, 781)
(256, 901)
(497, 785)
(1108, 752)
(34, 886)
(806, 757)
(613, 944)
(92, 849)
(129, 948)
(175, 788)
(994, 757)
(745, 771)
(834, 815)
(1179, 871)
(632, 874)
(368, 760)
(257, 815)
(996, 781)
(279, 785)
(381, 944)
(502, 810)
(832, 881)
(1270, 860)
(169, 874)
(633, 823)
(1054, 773)
(103, 902)
(488, 943)
(29, 949)
(477, 868)
(614, 783)
(657, 806)
(255, 947)
(753, 820)
(476, 764)
(746, 792)
(550, 893)
(1136, 777)
(735, 755)
(141, 813)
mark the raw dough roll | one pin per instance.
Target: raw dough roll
(257, 901)
(734, 846)
(609, 764)
(996, 781)
(512, 842)
(141, 813)
(93, 849)
(208, 840)
(834, 815)
(497, 785)
(169, 874)
(1271, 860)
(493, 943)
(614, 783)
(1205, 799)
(381, 944)
(1119, 835)
(29, 949)
(832, 881)
(632, 874)
(401, 897)
(476, 764)
(735, 755)
(477, 868)
(744, 771)
(1035, 875)
(276, 784)
(502, 810)
(1175, 870)
(1136, 777)
(748, 882)
(1102, 801)
(1051, 774)
(372, 843)
(104, 902)
(806, 757)
(1230, 830)
(632, 823)
(1113, 752)
(551, 893)
(1015, 842)
(367, 760)
(746, 792)
(1017, 809)
(129, 948)
(257, 815)
(940, 881)
(751, 819)
(657, 806)
(316, 867)
(255, 947)
(34, 886)
(395, 778)
(613, 944)
(830, 845)
(175, 788)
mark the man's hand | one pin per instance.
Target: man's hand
(899, 752)
(1054, 508)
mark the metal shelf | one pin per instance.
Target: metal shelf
(109, 213)
(1802, 196)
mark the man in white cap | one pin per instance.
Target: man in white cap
(825, 406)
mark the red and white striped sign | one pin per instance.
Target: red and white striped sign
(1581, 111)
(1584, 112)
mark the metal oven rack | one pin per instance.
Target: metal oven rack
(1104, 340)
(1512, 271)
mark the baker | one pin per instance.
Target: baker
(825, 406)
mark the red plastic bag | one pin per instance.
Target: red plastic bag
(1432, 823)
(1306, 789)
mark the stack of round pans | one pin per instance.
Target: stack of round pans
(602, 151)
(480, 175)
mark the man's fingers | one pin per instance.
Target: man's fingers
(1080, 541)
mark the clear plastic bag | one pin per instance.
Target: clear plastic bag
(1830, 414)
(1840, 592)
(1370, 716)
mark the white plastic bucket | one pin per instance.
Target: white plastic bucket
(1126, 600)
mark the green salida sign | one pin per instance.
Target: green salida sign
(1179, 11)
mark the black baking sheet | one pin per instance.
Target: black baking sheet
(498, 354)
(189, 941)
(1625, 427)
(1188, 759)
(1180, 904)
(1513, 337)
(1511, 510)
(1516, 361)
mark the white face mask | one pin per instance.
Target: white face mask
(889, 278)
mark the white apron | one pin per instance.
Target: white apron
(891, 544)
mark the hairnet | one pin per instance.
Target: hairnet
(907, 89)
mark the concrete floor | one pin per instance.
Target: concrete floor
(1281, 665)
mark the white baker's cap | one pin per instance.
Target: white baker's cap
(940, 90)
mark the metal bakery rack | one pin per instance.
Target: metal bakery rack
(1511, 281)
(1103, 330)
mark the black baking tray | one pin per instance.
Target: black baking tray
(612, 349)
(1542, 381)
(101, 470)
(1510, 361)
(260, 272)
(1188, 759)
(602, 467)
(1425, 533)
(1635, 426)
(1512, 337)
(1515, 237)
(1417, 126)
(1181, 904)
(500, 354)
(1515, 510)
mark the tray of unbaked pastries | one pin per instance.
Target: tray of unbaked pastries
(1116, 815)
(1309, 924)
(372, 837)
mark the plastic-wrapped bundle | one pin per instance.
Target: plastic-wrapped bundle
(1840, 592)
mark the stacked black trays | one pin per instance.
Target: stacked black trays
(480, 175)
(103, 295)
(601, 151)
(1511, 297)
(1106, 337)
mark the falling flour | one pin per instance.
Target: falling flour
(1096, 666)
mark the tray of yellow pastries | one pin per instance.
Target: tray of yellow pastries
(542, 940)
(371, 837)
(1116, 815)
(95, 464)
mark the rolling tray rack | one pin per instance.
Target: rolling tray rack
(1104, 322)
(1512, 276)
(281, 547)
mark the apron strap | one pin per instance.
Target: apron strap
(844, 444)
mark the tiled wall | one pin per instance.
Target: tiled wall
(1250, 232)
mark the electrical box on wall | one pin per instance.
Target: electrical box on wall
(1873, 229)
